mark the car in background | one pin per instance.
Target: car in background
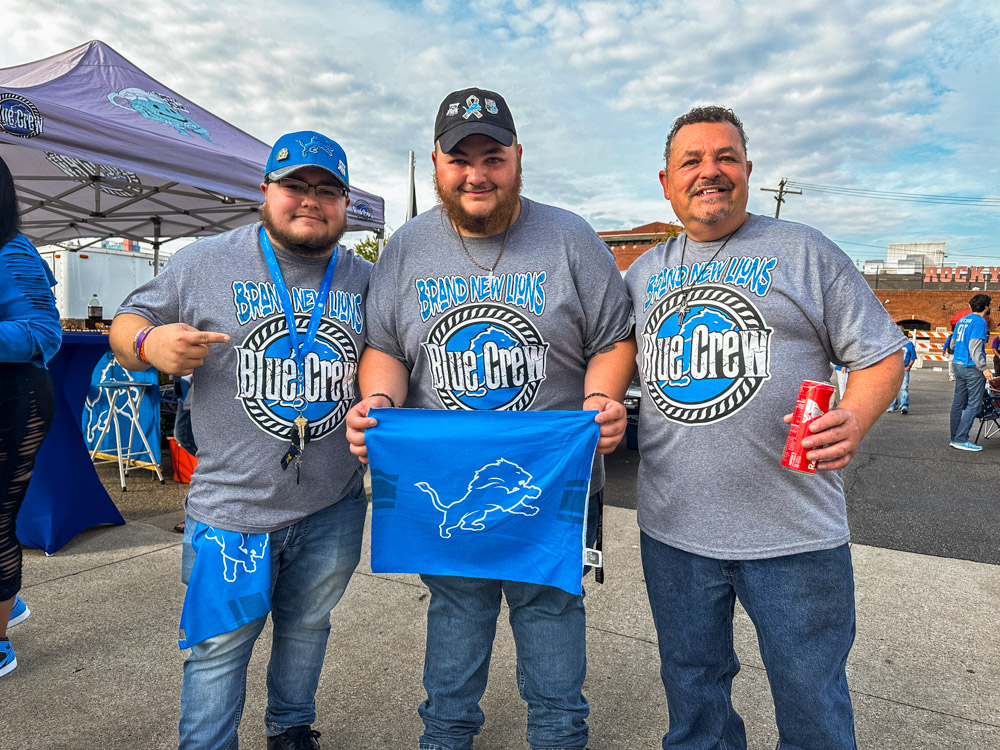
(632, 400)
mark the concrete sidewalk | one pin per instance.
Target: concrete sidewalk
(99, 667)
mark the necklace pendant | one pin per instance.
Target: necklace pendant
(681, 314)
(491, 274)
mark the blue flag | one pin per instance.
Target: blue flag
(483, 494)
(230, 583)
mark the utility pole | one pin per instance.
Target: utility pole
(781, 193)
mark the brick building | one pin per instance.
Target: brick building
(629, 244)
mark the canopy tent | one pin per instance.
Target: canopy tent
(100, 149)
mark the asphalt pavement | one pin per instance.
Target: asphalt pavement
(99, 666)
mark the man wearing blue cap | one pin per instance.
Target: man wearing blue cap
(269, 318)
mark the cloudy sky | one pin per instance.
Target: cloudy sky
(866, 97)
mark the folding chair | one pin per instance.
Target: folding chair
(133, 391)
(989, 415)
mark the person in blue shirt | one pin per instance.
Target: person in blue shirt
(971, 371)
(30, 335)
(902, 401)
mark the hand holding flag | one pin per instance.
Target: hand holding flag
(487, 494)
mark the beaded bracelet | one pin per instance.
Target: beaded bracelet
(139, 343)
(595, 393)
(387, 397)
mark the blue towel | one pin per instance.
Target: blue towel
(485, 494)
(230, 583)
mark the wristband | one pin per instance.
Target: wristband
(139, 343)
(596, 393)
(386, 396)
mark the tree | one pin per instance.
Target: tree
(368, 248)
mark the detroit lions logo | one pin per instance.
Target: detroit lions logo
(485, 357)
(242, 554)
(708, 365)
(160, 108)
(268, 383)
(472, 107)
(500, 486)
(97, 406)
(314, 145)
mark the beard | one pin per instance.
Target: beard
(488, 225)
(720, 213)
(307, 247)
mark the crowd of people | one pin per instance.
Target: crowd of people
(291, 342)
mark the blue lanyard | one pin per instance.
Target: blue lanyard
(300, 350)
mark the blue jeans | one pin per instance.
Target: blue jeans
(970, 386)
(549, 627)
(311, 563)
(803, 609)
(902, 400)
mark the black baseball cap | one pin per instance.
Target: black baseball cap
(470, 111)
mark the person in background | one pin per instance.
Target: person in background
(840, 371)
(949, 354)
(971, 371)
(30, 335)
(902, 401)
(183, 433)
(995, 346)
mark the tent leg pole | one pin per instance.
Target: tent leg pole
(156, 245)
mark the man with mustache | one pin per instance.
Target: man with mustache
(731, 317)
(269, 318)
(491, 271)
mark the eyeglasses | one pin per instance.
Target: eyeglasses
(298, 189)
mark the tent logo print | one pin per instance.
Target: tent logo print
(499, 486)
(245, 553)
(159, 108)
(19, 117)
(114, 181)
(363, 210)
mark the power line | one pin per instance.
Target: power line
(954, 200)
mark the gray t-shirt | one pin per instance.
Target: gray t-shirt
(244, 394)
(778, 304)
(518, 340)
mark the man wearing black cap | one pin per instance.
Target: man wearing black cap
(534, 287)
(269, 318)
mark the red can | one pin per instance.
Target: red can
(813, 403)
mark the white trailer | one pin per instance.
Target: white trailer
(110, 274)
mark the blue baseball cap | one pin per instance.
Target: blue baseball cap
(306, 148)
